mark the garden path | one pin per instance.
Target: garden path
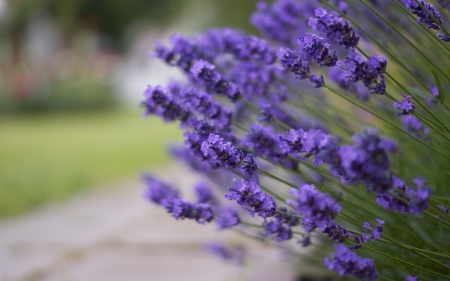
(113, 234)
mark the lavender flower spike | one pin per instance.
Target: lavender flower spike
(335, 29)
(251, 198)
(316, 207)
(346, 262)
(416, 9)
(291, 62)
(224, 152)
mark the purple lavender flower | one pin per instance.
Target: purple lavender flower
(182, 54)
(319, 208)
(282, 20)
(375, 233)
(280, 228)
(277, 230)
(204, 104)
(369, 72)
(308, 225)
(160, 103)
(256, 80)
(234, 254)
(159, 192)
(335, 29)
(251, 198)
(291, 62)
(315, 49)
(424, 18)
(318, 81)
(337, 232)
(337, 75)
(204, 193)
(346, 262)
(204, 73)
(412, 125)
(444, 37)
(404, 199)
(248, 166)
(266, 115)
(182, 209)
(223, 152)
(227, 217)
(406, 106)
(411, 278)
(263, 141)
(368, 160)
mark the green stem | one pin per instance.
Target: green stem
(388, 122)
(404, 37)
(276, 178)
(418, 101)
(407, 263)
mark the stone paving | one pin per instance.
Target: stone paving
(113, 234)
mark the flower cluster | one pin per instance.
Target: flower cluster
(306, 108)
(346, 262)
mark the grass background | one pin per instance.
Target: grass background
(49, 157)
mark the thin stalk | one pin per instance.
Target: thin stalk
(442, 44)
(276, 178)
(406, 39)
(434, 19)
(388, 122)
(407, 263)
(391, 55)
(418, 101)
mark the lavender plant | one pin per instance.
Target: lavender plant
(336, 119)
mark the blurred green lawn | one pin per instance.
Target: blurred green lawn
(53, 156)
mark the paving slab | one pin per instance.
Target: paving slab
(114, 234)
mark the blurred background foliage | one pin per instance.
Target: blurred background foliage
(67, 122)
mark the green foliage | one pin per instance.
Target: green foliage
(53, 156)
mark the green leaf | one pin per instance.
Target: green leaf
(438, 84)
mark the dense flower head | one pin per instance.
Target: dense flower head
(368, 160)
(226, 217)
(204, 193)
(204, 72)
(406, 107)
(256, 80)
(159, 192)
(263, 141)
(291, 62)
(334, 28)
(314, 48)
(404, 199)
(182, 53)
(369, 72)
(222, 151)
(424, 17)
(243, 47)
(282, 20)
(183, 209)
(411, 278)
(336, 74)
(336, 232)
(248, 166)
(346, 262)
(204, 105)
(319, 208)
(159, 102)
(249, 195)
